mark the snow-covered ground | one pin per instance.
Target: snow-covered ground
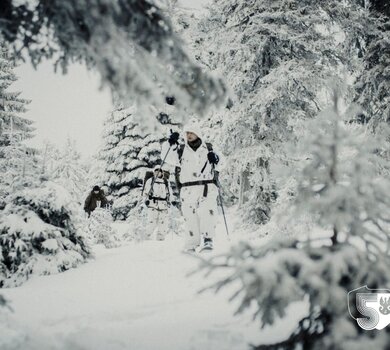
(136, 297)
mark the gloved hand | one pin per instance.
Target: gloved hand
(174, 138)
(213, 158)
(147, 202)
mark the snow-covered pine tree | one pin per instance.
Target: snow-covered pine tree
(17, 161)
(342, 186)
(39, 233)
(95, 167)
(38, 226)
(18, 167)
(185, 21)
(12, 125)
(128, 153)
(100, 230)
(276, 57)
(48, 157)
(373, 84)
(69, 172)
(343, 190)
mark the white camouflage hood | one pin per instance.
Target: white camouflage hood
(194, 127)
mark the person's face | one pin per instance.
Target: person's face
(96, 192)
(158, 173)
(191, 136)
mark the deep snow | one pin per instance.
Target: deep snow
(136, 297)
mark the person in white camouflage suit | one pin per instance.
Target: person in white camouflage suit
(157, 199)
(196, 173)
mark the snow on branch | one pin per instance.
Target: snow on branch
(131, 44)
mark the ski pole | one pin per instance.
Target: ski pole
(160, 170)
(221, 202)
(223, 209)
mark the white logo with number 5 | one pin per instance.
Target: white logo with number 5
(370, 307)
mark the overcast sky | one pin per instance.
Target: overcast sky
(68, 105)
(64, 105)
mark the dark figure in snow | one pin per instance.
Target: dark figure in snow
(96, 199)
(196, 174)
(157, 199)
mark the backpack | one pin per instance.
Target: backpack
(150, 173)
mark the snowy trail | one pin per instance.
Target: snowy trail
(134, 297)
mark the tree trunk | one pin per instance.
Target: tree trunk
(244, 186)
